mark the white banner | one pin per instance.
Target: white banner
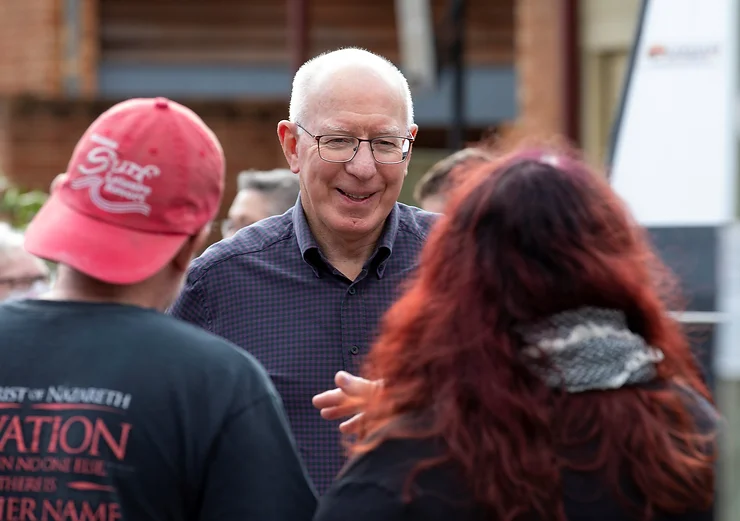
(674, 159)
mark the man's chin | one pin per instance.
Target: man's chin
(356, 225)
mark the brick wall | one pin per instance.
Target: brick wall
(539, 65)
(38, 136)
(30, 46)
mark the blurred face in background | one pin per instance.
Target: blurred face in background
(249, 206)
(436, 199)
(21, 275)
(434, 203)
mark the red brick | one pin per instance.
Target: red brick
(30, 37)
(539, 65)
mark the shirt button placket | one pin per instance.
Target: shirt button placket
(353, 329)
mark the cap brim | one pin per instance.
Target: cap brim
(100, 250)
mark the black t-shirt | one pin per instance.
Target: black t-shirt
(372, 487)
(111, 412)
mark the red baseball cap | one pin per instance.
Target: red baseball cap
(147, 175)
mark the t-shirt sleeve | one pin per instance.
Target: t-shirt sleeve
(191, 305)
(361, 502)
(255, 471)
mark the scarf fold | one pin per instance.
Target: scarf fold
(588, 349)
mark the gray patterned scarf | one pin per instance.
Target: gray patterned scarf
(589, 349)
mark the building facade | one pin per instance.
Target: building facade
(65, 61)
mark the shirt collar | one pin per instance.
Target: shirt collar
(306, 241)
(311, 252)
(386, 241)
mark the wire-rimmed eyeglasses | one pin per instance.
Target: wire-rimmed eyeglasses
(337, 148)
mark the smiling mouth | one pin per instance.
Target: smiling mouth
(354, 197)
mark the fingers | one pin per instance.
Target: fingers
(353, 385)
(342, 411)
(57, 181)
(349, 387)
(348, 399)
(328, 399)
(352, 426)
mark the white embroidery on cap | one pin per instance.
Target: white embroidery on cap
(106, 173)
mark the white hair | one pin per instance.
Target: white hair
(281, 186)
(333, 61)
(11, 241)
(10, 238)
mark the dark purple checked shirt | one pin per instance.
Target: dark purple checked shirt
(270, 290)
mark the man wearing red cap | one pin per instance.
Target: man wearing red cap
(111, 409)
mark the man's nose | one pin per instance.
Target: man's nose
(363, 165)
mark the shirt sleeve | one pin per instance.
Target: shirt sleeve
(255, 471)
(360, 502)
(191, 305)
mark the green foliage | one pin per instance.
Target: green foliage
(18, 206)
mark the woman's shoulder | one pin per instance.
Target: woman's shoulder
(378, 479)
(394, 459)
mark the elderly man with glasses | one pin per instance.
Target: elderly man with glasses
(303, 292)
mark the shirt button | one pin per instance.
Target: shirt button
(352, 290)
(354, 350)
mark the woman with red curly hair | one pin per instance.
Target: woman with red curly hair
(531, 371)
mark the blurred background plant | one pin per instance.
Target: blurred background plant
(18, 205)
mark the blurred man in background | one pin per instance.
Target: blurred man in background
(261, 194)
(432, 189)
(21, 274)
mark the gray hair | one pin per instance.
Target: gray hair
(280, 185)
(333, 61)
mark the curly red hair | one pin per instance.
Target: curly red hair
(532, 234)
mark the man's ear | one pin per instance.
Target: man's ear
(58, 180)
(288, 136)
(413, 129)
(190, 249)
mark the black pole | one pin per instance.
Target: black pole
(456, 134)
(636, 41)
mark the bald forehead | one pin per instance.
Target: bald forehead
(354, 87)
(347, 71)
